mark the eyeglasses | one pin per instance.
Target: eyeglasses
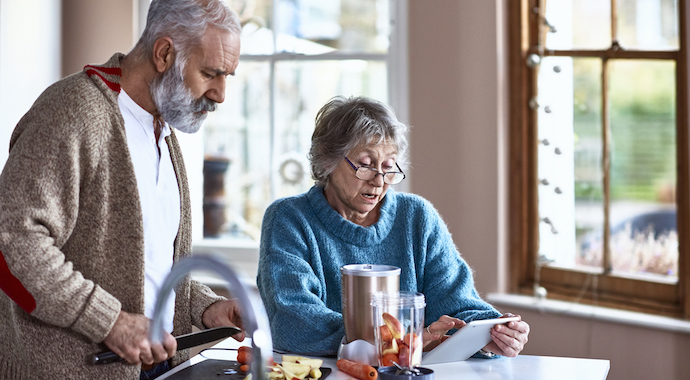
(367, 174)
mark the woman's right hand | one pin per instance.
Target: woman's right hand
(436, 332)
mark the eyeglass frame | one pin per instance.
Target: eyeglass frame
(383, 174)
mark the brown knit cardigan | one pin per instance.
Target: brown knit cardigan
(71, 234)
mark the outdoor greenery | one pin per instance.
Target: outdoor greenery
(642, 159)
(643, 129)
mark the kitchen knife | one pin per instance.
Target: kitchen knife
(183, 342)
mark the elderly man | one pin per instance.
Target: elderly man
(94, 204)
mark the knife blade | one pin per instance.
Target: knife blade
(183, 342)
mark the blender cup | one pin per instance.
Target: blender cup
(399, 322)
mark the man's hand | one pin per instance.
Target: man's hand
(224, 313)
(129, 339)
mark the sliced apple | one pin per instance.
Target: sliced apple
(315, 373)
(404, 356)
(292, 358)
(295, 370)
(313, 363)
(394, 325)
(385, 333)
(289, 375)
(276, 374)
(390, 347)
(412, 341)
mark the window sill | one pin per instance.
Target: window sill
(241, 255)
(554, 307)
(225, 243)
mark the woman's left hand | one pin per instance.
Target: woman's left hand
(509, 339)
(435, 333)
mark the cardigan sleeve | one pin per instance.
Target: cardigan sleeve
(291, 285)
(201, 297)
(39, 202)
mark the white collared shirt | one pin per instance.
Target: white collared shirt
(160, 200)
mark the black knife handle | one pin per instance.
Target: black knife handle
(106, 358)
(183, 342)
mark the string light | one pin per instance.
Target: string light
(550, 223)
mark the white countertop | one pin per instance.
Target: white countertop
(522, 367)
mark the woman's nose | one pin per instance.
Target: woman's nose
(378, 179)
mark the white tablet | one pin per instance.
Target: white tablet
(465, 342)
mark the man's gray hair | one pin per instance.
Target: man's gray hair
(185, 22)
(344, 124)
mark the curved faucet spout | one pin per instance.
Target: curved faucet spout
(254, 316)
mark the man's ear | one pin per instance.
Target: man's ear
(163, 54)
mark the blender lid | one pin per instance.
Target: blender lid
(370, 270)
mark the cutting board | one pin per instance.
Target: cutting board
(220, 370)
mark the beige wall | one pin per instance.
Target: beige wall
(94, 30)
(634, 352)
(454, 150)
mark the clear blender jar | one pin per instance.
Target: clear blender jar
(399, 323)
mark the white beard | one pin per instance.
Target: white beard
(175, 102)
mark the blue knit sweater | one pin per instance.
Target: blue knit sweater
(304, 242)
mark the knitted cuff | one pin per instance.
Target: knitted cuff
(99, 315)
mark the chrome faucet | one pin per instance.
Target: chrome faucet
(254, 318)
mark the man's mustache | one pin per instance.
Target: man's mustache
(204, 104)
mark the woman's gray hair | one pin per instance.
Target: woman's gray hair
(185, 22)
(344, 124)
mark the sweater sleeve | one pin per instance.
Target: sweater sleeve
(201, 297)
(448, 280)
(292, 287)
(39, 203)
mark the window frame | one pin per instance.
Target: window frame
(396, 59)
(593, 288)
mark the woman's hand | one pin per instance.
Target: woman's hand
(509, 339)
(435, 333)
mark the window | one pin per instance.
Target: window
(599, 145)
(296, 54)
(23, 79)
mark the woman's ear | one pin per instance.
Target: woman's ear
(163, 54)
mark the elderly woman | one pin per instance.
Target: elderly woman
(352, 216)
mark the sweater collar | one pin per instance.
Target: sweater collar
(348, 231)
(107, 76)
